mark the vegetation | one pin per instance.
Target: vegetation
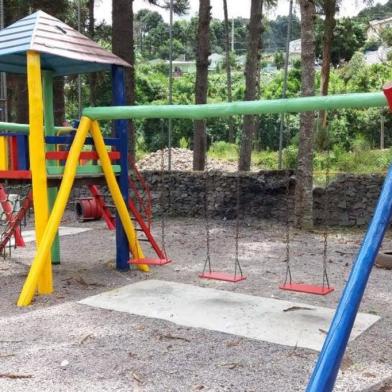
(352, 136)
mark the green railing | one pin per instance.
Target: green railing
(24, 128)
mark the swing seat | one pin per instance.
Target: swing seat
(224, 276)
(307, 288)
(148, 261)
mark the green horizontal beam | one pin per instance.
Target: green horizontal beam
(194, 112)
(23, 128)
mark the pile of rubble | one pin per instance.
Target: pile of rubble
(181, 160)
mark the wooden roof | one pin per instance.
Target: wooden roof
(63, 50)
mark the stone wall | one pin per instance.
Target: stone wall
(261, 194)
(349, 200)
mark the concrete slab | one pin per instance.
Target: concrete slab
(271, 320)
(29, 235)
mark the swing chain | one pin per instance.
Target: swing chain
(288, 276)
(326, 206)
(207, 262)
(162, 198)
(237, 264)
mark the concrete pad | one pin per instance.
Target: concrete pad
(271, 320)
(29, 235)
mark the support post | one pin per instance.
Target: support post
(382, 129)
(327, 367)
(49, 232)
(50, 131)
(117, 196)
(21, 147)
(3, 153)
(121, 132)
(38, 163)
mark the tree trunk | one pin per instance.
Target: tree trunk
(123, 46)
(59, 100)
(91, 33)
(201, 88)
(252, 81)
(304, 186)
(231, 136)
(21, 100)
(329, 7)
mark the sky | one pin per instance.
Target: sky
(236, 8)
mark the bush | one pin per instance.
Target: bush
(224, 150)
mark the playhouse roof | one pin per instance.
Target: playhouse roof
(63, 50)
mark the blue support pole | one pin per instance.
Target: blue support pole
(327, 367)
(23, 158)
(121, 131)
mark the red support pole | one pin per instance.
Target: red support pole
(13, 153)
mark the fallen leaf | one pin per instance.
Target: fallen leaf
(15, 376)
(233, 343)
(347, 362)
(169, 336)
(136, 377)
(231, 365)
(85, 338)
(294, 308)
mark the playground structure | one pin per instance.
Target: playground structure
(38, 135)
(29, 153)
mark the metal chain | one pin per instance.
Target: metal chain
(288, 276)
(162, 197)
(326, 215)
(237, 264)
(207, 262)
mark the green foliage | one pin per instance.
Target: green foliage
(386, 36)
(274, 36)
(349, 36)
(279, 59)
(378, 11)
(223, 150)
(372, 44)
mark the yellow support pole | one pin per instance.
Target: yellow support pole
(116, 194)
(3, 153)
(51, 228)
(38, 163)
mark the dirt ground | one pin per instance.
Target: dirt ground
(59, 345)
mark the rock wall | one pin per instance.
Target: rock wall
(349, 200)
(262, 194)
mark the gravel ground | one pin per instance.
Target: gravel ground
(59, 345)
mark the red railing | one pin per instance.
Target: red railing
(142, 195)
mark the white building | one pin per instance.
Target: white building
(377, 56)
(215, 60)
(295, 46)
(376, 26)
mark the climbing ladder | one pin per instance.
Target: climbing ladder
(100, 201)
(13, 224)
(140, 206)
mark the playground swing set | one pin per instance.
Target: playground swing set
(41, 42)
